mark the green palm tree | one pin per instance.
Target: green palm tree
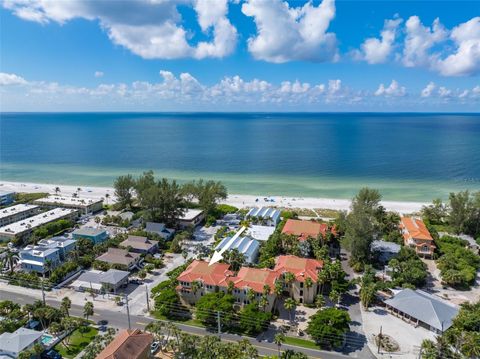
(322, 278)
(195, 287)
(88, 310)
(319, 301)
(308, 284)
(66, 305)
(289, 305)
(279, 339)
(57, 189)
(289, 279)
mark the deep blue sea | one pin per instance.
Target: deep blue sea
(406, 156)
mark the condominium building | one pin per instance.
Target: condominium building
(264, 215)
(6, 198)
(82, 204)
(17, 213)
(25, 227)
(201, 278)
(95, 235)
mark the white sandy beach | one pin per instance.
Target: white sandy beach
(237, 200)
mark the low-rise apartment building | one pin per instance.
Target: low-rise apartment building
(416, 236)
(25, 227)
(6, 198)
(82, 204)
(17, 213)
(191, 218)
(301, 268)
(201, 278)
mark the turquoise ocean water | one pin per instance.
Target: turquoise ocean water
(411, 157)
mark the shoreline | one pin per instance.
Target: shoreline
(237, 200)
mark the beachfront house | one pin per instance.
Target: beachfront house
(422, 309)
(140, 244)
(95, 235)
(23, 228)
(301, 268)
(304, 229)
(159, 229)
(17, 213)
(110, 281)
(22, 339)
(191, 218)
(245, 245)
(6, 198)
(416, 236)
(266, 216)
(120, 257)
(82, 204)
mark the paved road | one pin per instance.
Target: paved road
(120, 320)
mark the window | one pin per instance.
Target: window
(301, 284)
(301, 292)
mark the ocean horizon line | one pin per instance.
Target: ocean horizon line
(247, 112)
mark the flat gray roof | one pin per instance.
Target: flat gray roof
(89, 231)
(36, 221)
(424, 307)
(19, 208)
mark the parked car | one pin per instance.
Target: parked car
(51, 354)
(154, 347)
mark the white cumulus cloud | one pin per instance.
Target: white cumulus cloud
(286, 33)
(466, 58)
(393, 90)
(151, 29)
(428, 90)
(376, 51)
(98, 74)
(11, 79)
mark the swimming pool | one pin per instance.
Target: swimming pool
(46, 339)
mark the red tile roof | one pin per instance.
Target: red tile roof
(128, 344)
(415, 228)
(255, 279)
(305, 229)
(216, 274)
(302, 268)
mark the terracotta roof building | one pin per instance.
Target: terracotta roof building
(301, 268)
(201, 271)
(416, 235)
(255, 278)
(304, 229)
(210, 278)
(128, 344)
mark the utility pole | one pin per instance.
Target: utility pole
(379, 340)
(146, 293)
(219, 324)
(128, 311)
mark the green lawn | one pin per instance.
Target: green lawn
(192, 322)
(301, 343)
(78, 342)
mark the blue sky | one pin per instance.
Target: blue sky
(261, 55)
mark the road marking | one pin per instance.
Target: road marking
(141, 323)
